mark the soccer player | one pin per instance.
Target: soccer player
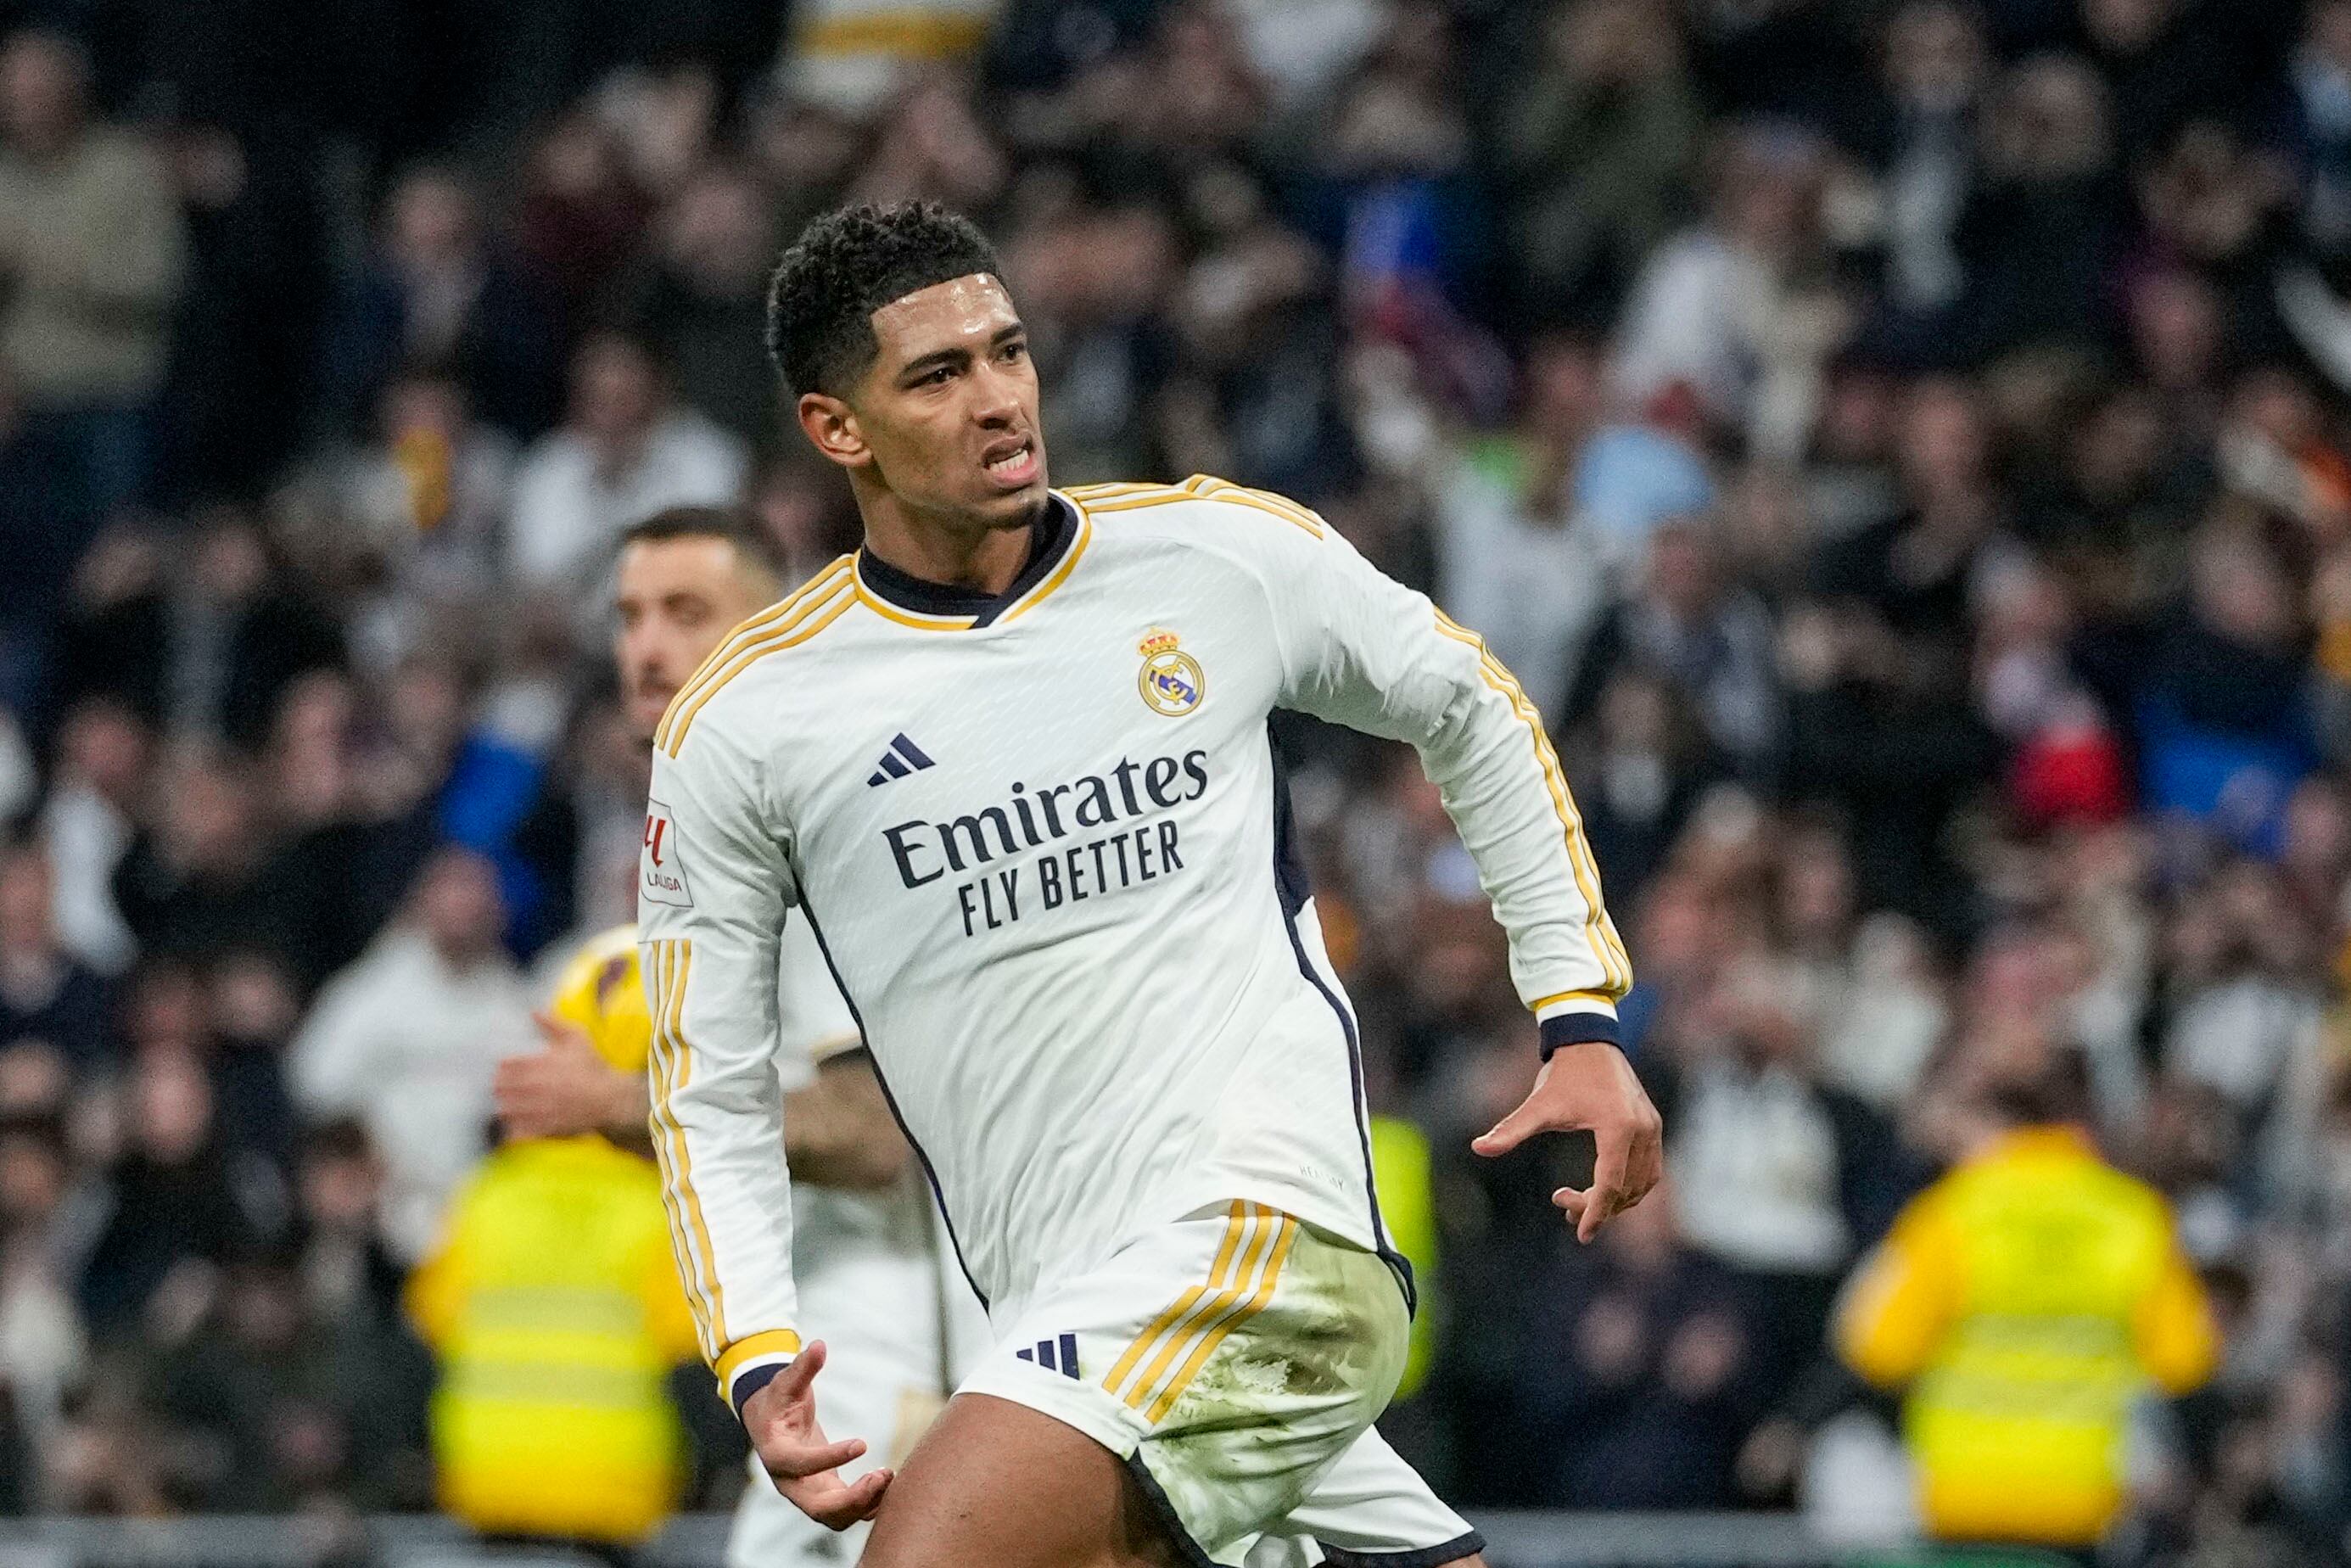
(870, 1267)
(1010, 762)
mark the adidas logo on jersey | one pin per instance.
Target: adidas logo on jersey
(1060, 1355)
(903, 758)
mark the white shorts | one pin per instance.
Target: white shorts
(1235, 1360)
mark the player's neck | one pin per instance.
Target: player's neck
(955, 552)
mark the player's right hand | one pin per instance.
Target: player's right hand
(565, 1089)
(781, 1421)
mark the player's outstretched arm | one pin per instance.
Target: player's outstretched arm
(1591, 1088)
(1360, 649)
(806, 1465)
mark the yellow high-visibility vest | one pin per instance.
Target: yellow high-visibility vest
(2026, 1301)
(555, 1309)
(1401, 1174)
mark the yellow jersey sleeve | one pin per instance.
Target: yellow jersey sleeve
(2176, 1338)
(601, 991)
(1897, 1306)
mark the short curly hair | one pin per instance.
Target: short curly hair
(850, 263)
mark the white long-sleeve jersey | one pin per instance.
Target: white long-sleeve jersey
(1041, 838)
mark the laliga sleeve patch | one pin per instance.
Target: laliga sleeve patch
(660, 864)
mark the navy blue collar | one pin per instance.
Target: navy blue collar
(1050, 534)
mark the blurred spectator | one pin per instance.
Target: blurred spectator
(45, 995)
(930, 146)
(2168, 60)
(1515, 556)
(181, 1207)
(2026, 1301)
(91, 254)
(580, 213)
(437, 291)
(2222, 707)
(1643, 772)
(1918, 135)
(626, 451)
(437, 769)
(200, 879)
(2043, 224)
(89, 822)
(702, 301)
(1598, 144)
(407, 1038)
(1738, 310)
(45, 1346)
(426, 501)
(1704, 637)
(351, 1280)
(202, 652)
(1778, 1178)
(2318, 129)
(1652, 1371)
(270, 1416)
(1875, 668)
(251, 1006)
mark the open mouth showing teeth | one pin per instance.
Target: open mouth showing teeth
(1010, 461)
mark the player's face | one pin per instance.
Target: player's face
(677, 600)
(947, 411)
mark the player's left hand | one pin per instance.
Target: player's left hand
(1591, 1086)
(564, 1089)
(780, 1420)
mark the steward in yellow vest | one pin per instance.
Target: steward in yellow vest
(2026, 1301)
(554, 1307)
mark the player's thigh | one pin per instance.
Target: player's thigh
(998, 1483)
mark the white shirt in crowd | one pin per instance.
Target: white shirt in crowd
(569, 508)
(407, 1043)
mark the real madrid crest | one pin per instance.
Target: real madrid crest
(1171, 680)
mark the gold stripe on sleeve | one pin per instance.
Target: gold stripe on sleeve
(1542, 1002)
(1157, 496)
(1600, 932)
(681, 1250)
(1210, 487)
(682, 1056)
(1104, 492)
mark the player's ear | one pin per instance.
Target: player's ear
(831, 425)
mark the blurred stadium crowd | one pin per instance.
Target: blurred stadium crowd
(1901, 445)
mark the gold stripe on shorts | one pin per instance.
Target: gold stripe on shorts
(1236, 1219)
(1235, 1319)
(1240, 1282)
